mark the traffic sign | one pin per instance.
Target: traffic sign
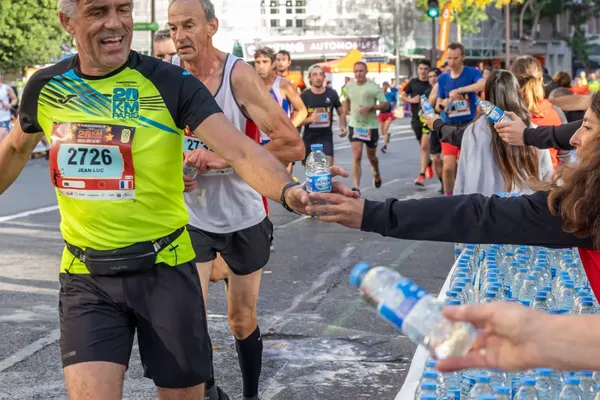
(380, 59)
(145, 26)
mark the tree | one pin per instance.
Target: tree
(581, 11)
(30, 33)
(468, 14)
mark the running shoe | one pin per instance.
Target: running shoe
(376, 179)
(221, 395)
(429, 172)
(384, 148)
(420, 181)
(272, 248)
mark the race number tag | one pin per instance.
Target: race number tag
(92, 161)
(460, 108)
(191, 143)
(362, 134)
(323, 118)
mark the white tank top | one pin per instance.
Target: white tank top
(4, 99)
(225, 203)
(283, 103)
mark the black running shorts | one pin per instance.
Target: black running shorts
(99, 316)
(245, 251)
(326, 139)
(372, 144)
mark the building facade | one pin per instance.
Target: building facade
(320, 30)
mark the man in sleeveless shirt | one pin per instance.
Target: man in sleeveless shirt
(226, 215)
(282, 90)
(8, 100)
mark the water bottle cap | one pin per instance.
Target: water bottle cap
(526, 303)
(430, 374)
(490, 295)
(586, 373)
(569, 284)
(531, 278)
(522, 269)
(528, 381)
(502, 390)
(471, 246)
(587, 303)
(548, 288)
(478, 101)
(428, 396)
(510, 253)
(572, 380)
(430, 363)
(316, 146)
(574, 264)
(460, 284)
(358, 273)
(541, 297)
(511, 300)
(453, 302)
(451, 293)
(487, 397)
(588, 297)
(483, 379)
(544, 371)
(598, 386)
(559, 311)
(428, 386)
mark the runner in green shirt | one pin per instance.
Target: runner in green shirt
(363, 99)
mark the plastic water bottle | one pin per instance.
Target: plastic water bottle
(587, 385)
(587, 306)
(318, 174)
(498, 378)
(528, 289)
(596, 377)
(489, 297)
(570, 390)
(527, 390)
(430, 365)
(503, 393)
(540, 302)
(544, 385)
(482, 386)
(597, 397)
(492, 113)
(567, 296)
(452, 296)
(452, 380)
(426, 107)
(412, 310)
(190, 171)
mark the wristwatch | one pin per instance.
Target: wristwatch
(282, 198)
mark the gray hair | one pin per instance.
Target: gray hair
(67, 7)
(162, 35)
(315, 66)
(207, 5)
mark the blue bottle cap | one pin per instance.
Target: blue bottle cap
(572, 380)
(587, 303)
(430, 374)
(502, 390)
(487, 397)
(510, 253)
(586, 373)
(569, 284)
(428, 386)
(453, 302)
(316, 146)
(544, 371)
(490, 295)
(430, 363)
(522, 269)
(428, 396)
(540, 297)
(531, 277)
(358, 273)
(528, 381)
(482, 379)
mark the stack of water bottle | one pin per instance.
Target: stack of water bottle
(548, 280)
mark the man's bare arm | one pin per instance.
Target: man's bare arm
(300, 112)
(342, 115)
(412, 100)
(15, 151)
(250, 91)
(13, 97)
(383, 106)
(258, 167)
(575, 102)
(477, 87)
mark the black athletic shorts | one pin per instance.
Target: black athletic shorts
(245, 251)
(435, 147)
(372, 144)
(99, 316)
(326, 139)
(417, 127)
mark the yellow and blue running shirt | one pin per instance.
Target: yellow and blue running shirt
(116, 151)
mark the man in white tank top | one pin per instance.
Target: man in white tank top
(8, 100)
(284, 93)
(226, 215)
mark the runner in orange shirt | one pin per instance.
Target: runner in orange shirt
(283, 62)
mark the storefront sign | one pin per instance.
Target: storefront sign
(316, 47)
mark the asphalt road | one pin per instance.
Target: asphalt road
(320, 340)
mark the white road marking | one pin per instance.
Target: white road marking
(24, 214)
(29, 350)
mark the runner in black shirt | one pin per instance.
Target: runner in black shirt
(320, 102)
(412, 95)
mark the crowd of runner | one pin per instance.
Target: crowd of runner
(121, 126)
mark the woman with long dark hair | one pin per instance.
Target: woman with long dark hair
(487, 164)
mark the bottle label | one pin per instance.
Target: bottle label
(453, 395)
(466, 385)
(495, 115)
(397, 305)
(318, 183)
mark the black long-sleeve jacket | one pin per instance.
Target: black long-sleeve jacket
(543, 137)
